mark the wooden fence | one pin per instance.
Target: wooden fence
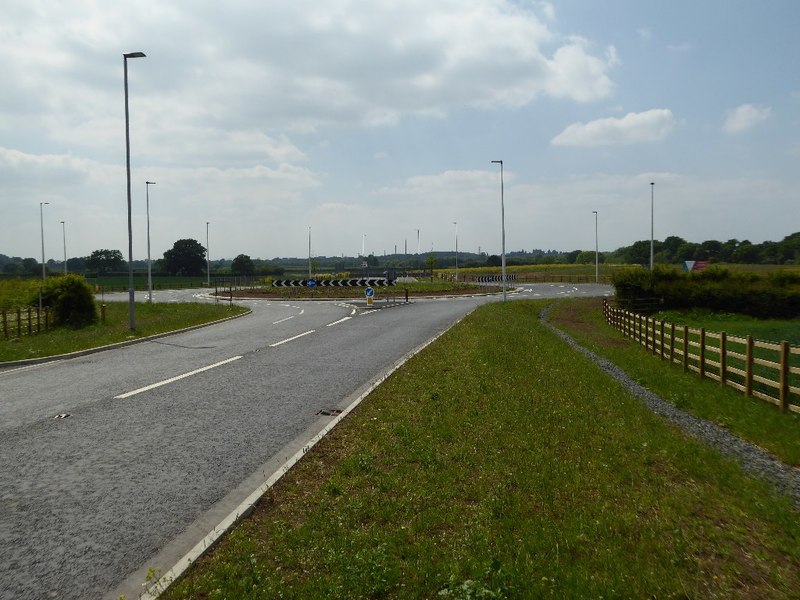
(25, 321)
(765, 370)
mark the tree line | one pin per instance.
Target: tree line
(187, 257)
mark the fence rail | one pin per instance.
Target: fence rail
(765, 370)
(25, 321)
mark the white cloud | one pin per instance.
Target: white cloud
(745, 117)
(649, 126)
(645, 33)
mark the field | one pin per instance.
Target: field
(499, 463)
(151, 319)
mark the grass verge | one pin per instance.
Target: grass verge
(749, 418)
(151, 319)
(499, 463)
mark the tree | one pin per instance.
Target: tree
(243, 265)
(31, 266)
(71, 298)
(105, 261)
(187, 257)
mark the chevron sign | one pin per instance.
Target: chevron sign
(362, 282)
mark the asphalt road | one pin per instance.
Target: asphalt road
(124, 459)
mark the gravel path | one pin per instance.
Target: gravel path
(753, 459)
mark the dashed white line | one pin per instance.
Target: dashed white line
(290, 339)
(282, 320)
(339, 321)
(173, 379)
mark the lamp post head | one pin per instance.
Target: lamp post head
(128, 55)
(150, 182)
(500, 162)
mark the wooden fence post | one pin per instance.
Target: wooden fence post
(5, 324)
(702, 352)
(784, 395)
(685, 347)
(723, 357)
(748, 367)
(19, 323)
(662, 340)
(672, 343)
(30, 321)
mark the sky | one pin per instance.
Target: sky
(374, 124)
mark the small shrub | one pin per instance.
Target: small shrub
(71, 299)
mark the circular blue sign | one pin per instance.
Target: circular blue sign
(369, 292)
(311, 284)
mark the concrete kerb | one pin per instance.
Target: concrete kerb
(78, 353)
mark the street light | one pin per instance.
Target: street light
(596, 252)
(131, 309)
(309, 251)
(147, 185)
(652, 185)
(456, 224)
(208, 259)
(503, 224)
(41, 225)
(64, 234)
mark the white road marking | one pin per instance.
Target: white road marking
(339, 321)
(368, 312)
(282, 320)
(290, 339)
(173, 379)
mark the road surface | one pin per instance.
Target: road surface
(124, 459)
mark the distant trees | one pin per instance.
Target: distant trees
(105, 261)
(243, 265)
(187, 257)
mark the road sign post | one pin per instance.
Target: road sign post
(370, 294)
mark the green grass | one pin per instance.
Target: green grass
(769, 330)
(499, 463)
(749, 418)
(151, 319)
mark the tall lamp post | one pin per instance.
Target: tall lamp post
(652, 185)
(41, 226)
(149, 264)
(503, 224)
(309, 251)
(456, 224)
(131, 309)
(208, 259)
(596, 252)
(64, 236)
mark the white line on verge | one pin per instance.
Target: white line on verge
(282, 320)
(290, 339)
(339, 321)
(172, 379)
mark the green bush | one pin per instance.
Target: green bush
(716, 289)
(71, 299)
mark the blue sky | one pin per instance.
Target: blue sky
(381, 118)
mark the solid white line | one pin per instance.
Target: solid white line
(339, 321)
(172, 379)
(290, 339)
(282, 320)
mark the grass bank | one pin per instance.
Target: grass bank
(748, 418)
(499, 463)
(151, 319)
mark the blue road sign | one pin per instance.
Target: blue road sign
(311, 284)
(369, 292)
